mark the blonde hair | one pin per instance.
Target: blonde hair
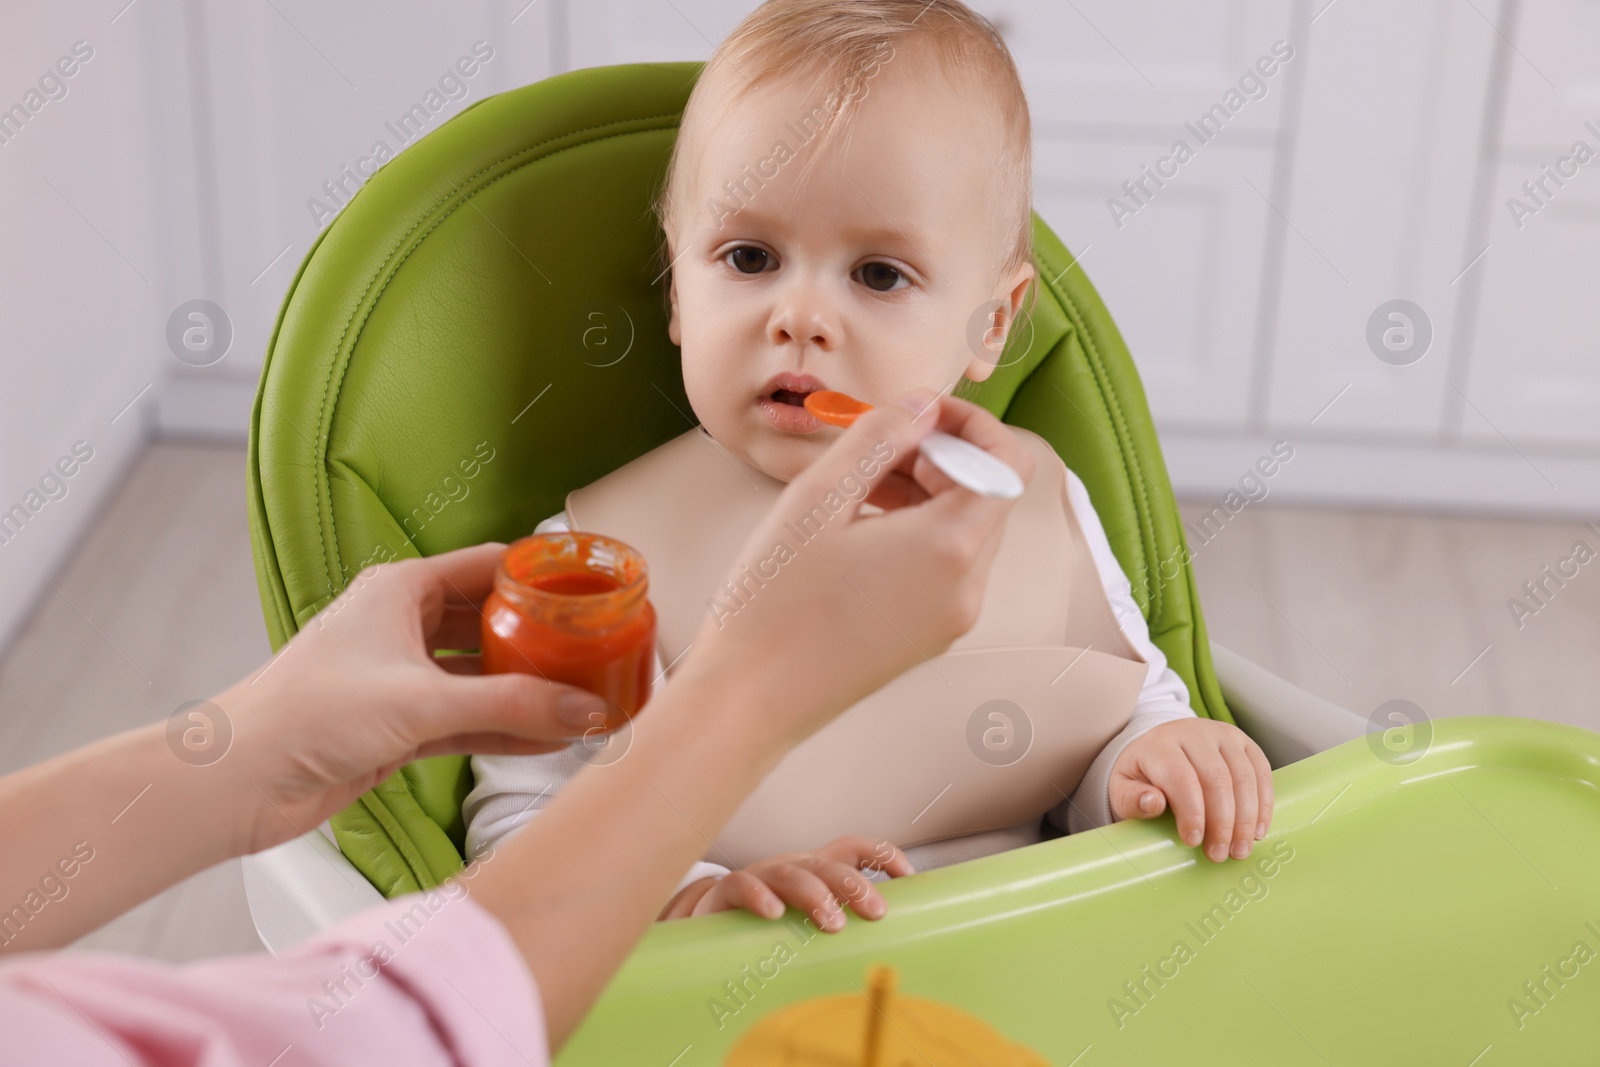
(842, 43)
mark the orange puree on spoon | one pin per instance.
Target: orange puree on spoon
(834, 408)
(967, 465)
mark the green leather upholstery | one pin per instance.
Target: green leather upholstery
(481, 330)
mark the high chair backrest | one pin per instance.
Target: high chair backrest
(482, 329)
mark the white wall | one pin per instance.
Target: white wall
(294, 94)
(96, 241)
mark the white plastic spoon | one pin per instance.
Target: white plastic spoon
(967, 465)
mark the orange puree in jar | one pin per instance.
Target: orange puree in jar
(573, 608)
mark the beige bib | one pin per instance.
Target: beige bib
(991, 734)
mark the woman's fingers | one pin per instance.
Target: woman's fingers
(881, 444)
(513, 705)
(898, 490)
(462, 577)
(467, 663)
(915, 479)
(447, 589)
(963, 418)
(487, 744)
(460, 627)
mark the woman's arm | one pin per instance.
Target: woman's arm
(91, 833)
(354, 696)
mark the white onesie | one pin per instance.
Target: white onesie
(511, 790)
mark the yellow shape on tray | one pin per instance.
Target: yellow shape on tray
(880, 1029)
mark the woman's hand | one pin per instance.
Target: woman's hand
(358, 693)
(867, 595)
(1217, 780)
(819, 883)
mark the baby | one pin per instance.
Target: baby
(849, 193)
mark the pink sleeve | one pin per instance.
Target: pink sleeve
(429, 978)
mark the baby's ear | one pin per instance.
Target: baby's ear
(673, 331)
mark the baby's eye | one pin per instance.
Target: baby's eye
(881, 277)
(748, 259)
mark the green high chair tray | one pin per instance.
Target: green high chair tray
(1443, 910)
(482, 329)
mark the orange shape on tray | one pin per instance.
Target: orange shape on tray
(880, 1029)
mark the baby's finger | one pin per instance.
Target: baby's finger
(858, 852)
(1173, 775)
(1246, 800)
(741, 889)
(1258, 760)
(1217, 784)
(1134, 798)
(810, 894)
(849, 885)
(682, 905)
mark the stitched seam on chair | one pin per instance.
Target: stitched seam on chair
(322, 486)
(1092, 354)
(281, 596)
(399, 837)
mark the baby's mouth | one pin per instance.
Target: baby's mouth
(791, 389)
(783, 402)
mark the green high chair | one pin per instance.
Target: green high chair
(482, 329)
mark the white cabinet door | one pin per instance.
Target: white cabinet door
(1155, 136)
(1533, 375)
(303, 103)
(1143, 69)
(1378, 210)
(1182, 277)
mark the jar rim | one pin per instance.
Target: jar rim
(633, 579)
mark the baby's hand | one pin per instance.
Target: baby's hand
(814, 882)
(1213, 775)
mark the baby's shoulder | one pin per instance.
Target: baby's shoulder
(1055, 485)
(1051, 476)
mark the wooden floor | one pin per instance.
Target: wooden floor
(159, 606)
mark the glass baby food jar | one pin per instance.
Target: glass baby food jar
(572, 607)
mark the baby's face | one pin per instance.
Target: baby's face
(865, 278)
